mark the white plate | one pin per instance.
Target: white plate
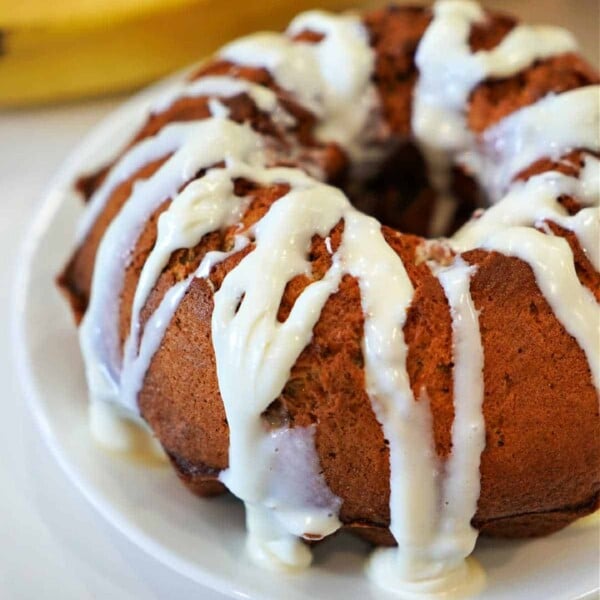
(204, 539)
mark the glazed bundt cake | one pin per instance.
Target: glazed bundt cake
(244, 289)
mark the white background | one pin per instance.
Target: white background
(53, 545)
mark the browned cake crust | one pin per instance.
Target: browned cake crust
(540, 467)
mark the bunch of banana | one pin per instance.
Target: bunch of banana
(53, 50)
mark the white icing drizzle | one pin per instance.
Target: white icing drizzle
(194, 146)
(276, 517)
(532, 202)
(461, 489)
(276, 472)
(386, 293)
(447, 77)
(225, 87)
(205, 205)
(432, 548)
(296, 503)
(318, 74)
(136, 361)
(114, 433)
(525, 136)
(251, 342)
(148, 150)
(464, 581)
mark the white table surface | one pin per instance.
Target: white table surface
(53, 545)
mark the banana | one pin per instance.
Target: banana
(57, 50)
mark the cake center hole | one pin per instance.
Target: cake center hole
(400, 196)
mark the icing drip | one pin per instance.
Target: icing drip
(250, 341)
(386, 293)
(148, 150)
(466, 580)
(318, 74)
(193, 146)
(431, 552)
(207, 204)
(536, 131)
(446, 78)
(297, 502)
(461, 485)
(124, 436)
(226, 87)
(535, 201)
(276, 471)
(277, 515)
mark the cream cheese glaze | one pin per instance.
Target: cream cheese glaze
(446, 78)
(525, 136)
(331, 78)
(431, 507)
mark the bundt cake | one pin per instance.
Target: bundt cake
(244, 289)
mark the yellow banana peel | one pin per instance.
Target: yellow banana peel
(65, 49)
